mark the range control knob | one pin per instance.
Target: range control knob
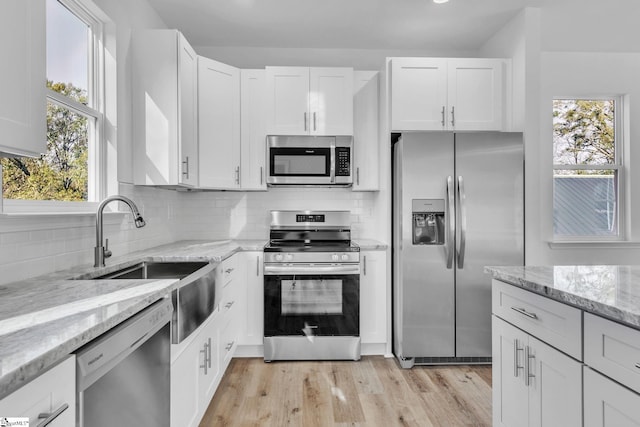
(289, 257)
(279, 257)
(345, 257)
(335, 257)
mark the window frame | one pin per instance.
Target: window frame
(618, 165)
(94, 111)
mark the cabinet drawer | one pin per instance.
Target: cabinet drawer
(607, 403)
(550, 321)
(224, 271)
(612, 349)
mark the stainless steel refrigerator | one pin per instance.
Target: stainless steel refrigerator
(458, 206)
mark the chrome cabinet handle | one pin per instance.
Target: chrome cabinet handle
(205, 352)
(258, 265)
(442, 112)
(638, 365)
(463, 222)
(314, 121)
(50, 416)
(209, 351)
(525, 312)
(527, 367)
(185, 172)
(516, 349)
(229, 304)
(229, 270)
(305, 120)
(358, 175)
(451, 226)
(364, 265)
(238, 175)
(228, 347)
(453, 116)
(261, 173)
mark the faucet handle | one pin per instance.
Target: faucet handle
(107, 252)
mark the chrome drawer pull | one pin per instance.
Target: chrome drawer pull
(516, 349)
(527, 371)
(229, 304)
(228, 347)
(638, 365)
(525, 312)
(51, 416)
(228, 270)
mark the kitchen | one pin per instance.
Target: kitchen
(545, 64)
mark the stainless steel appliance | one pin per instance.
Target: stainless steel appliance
(311, 287)
(123, 376)
(309, 160)
(457, 207)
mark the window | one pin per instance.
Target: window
(587, 170)
(70, 170)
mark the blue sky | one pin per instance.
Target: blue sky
(67, 46)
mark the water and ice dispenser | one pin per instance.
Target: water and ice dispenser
(428, 221)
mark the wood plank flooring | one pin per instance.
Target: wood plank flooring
(372, 392)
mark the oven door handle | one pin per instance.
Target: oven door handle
(287, 270)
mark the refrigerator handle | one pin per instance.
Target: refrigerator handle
(451, 226)
(462, 203)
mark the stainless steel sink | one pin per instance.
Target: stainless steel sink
(194, 298)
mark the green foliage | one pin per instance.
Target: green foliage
(584, 132)
(62, 172)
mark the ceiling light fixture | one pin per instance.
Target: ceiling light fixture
(440, 1)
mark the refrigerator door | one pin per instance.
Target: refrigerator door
(490, 168)
(424, 285)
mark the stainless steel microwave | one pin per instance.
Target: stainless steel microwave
(309, 160)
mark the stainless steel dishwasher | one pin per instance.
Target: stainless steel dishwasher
(123, 377)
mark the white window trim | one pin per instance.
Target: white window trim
(621, 145)
(97, 155)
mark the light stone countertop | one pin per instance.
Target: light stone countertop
(370, 245)
(611, 291)
(46, 318)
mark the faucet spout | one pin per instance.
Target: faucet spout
(100, 251)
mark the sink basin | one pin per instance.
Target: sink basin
(155, 270)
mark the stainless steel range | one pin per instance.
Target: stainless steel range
(311, 287)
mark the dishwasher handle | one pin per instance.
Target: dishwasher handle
(99, 356)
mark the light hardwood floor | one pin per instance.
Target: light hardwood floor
(372, 392)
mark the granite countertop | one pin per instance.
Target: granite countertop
(44, 319)
(611, 291)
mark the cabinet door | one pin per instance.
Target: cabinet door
(331, 101)
(23, 100)
(366, 167)
(510, 394)
(187, 99)
(418, 93)
(373, 297)
(253, 132)
(209, 377)
(218, 124)
(287, 100)
(253, 322)
(607, 403)
(475, 94)
(186, 371)
(555, 389)
(49, 393)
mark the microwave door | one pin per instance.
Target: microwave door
(298, 165)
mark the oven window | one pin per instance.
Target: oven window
(300, 162)
(311, 296)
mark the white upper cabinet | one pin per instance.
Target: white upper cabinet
(218, 124)
(447, 94)
(253, 130)
(309, 101)
(164, 88)
(366, 156)
(23, 70)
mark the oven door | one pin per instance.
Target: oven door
(313, 300)
(298, 160)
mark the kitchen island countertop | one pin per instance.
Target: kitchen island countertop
(611, 291)
(46, 318)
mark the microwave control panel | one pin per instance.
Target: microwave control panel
(343, 161)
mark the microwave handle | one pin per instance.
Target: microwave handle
(333, 164)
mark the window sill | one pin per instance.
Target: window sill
(622, 244)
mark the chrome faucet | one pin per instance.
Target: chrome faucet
(101, 252)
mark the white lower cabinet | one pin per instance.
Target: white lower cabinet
(607, 403)
(373, 301)
(199, 362)
(251, 338)
(51, 396)
(533, 383)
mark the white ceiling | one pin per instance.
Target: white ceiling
(339, 24)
